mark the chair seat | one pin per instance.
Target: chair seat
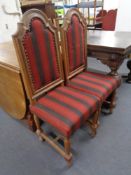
(97, 84)
(65, 108)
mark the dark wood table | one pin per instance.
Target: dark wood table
(110, 47)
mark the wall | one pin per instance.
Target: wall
(8, 23)
(111, 4)
(123, 22)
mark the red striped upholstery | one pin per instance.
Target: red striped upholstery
(65, 108)
(97, 84)
(41, 55)
(75, 39)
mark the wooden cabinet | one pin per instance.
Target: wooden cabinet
(12, 95)
(47, 8)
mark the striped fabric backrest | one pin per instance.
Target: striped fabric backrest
(41, 53)
(38, 41)
(75, 37)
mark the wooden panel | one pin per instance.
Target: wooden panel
(8, 56)
(12, 97)
(47, 8)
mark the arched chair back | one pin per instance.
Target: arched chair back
(36, 43)
(109, 20)
(37, 47)
(74, 37)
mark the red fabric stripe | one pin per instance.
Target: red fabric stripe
(77, 39)
(27, 42)
(38, 27)
(73, 103)
(65, 112)
(54, 54)
(70, 48)
(114, 80)
(78, 32)
(76, 93)
(106, 77)
(102, 97)
(70, 101)
(45, 116)
(91, 85)
(83, 45)
(94, 79)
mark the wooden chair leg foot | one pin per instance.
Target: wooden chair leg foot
(94, 123)
(67, 151)
(69, 162)
(109, 104)
(93, 131)
(38, 133)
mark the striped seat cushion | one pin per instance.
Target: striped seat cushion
(65, 108)
(95, 83)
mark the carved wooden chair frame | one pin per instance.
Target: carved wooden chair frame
(68, 74)
(64, 29)
(32, 94)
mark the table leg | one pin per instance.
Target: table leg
(129, 75)
(113, 61)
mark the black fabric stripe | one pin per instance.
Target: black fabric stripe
(75, 98)
(65, 105)
(97, 99)
(55, 114)
(79, 114)
(96, 83)
(85, 87)
(87, 95)
(37, 56)
(71, 96)
(74, 44)
(99, 78)
(50, 56)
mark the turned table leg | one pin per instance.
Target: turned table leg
(129, 74)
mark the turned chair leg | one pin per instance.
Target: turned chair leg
(38, 130)
(112, 102)
(67, 146)
(94, 123)
(54, 142)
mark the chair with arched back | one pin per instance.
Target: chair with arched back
(74, 42)
(109, 20)
(65, 109)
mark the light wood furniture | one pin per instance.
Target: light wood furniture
(12, 96)
(37, 88)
